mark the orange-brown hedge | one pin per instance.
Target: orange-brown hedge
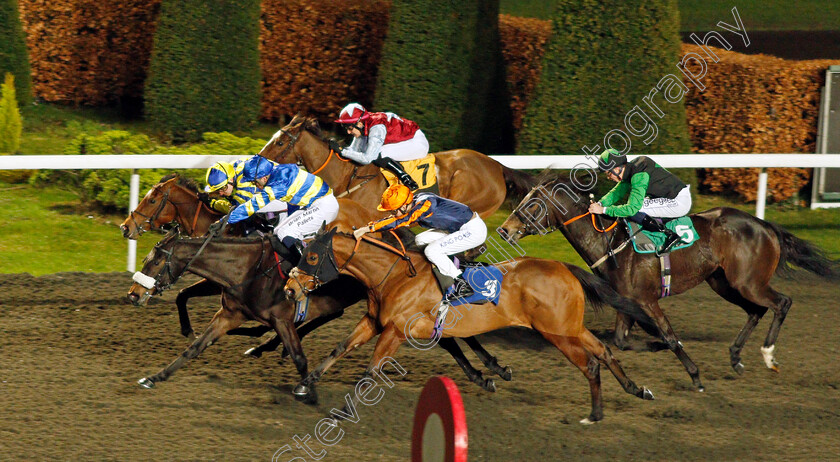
(523, 44)
(89, 51)
(755, 104)
(317, 56)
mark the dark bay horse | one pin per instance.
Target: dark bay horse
(252, 289)
(737, 255)
(466, 176)
(544, 295)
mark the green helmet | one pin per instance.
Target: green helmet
(219, 175)
(610, 159)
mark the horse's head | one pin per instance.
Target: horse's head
(317, 266)
(296, 143)
(160, 206)
(159, 271)
(541, 211)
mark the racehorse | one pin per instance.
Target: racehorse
(737, 255)
(544, 295)
(466, 176)
(252, 289)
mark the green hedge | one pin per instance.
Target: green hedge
(442, 67)
(109, 189)
(204, 73)
(602, 59)
(14, 57)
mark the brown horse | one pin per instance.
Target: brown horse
(544, 295)
(737, 255)
(252, 289)
(466, 176)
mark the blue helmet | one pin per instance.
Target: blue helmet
(257, 167)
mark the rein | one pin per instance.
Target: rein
(329, 158)
(150, 220)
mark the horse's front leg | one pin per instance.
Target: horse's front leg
(287, 333)
(451, 346)
(386, 346)
(489, 360)
(201, 288)
(223, 321)
(365, 330)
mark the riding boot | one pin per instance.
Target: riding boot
(462, 289)
(396, 168)
(444, 281)
(651, 224)
(289, 254)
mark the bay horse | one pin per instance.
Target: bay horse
(466, 176)
(737, 254)
(247, 270)
(544, 295)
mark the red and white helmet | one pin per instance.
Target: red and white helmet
(352, 113)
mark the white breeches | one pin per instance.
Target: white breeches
(669, 208)
(441, 244)
(413, 149)
(306, 222)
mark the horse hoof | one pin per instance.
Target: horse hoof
(647, 394)
(146, 383)
(489, 385)
(701, 388)
(301, 390)
(774, 368)
(586, 421)
(507, 374)
(253, 352)
(739, 368)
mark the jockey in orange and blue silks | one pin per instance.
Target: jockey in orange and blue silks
(383, 139)
(311, 199)
(454, 228)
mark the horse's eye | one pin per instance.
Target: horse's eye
(312, 258)
(151, 201)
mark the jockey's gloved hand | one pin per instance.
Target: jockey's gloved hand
(204, 197)
(219, 226)
(335, 146)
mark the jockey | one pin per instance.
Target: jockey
(310, 199)
(382, 138)
(225, 179)
(453, 227)
(653, 192)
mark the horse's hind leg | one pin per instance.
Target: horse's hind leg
(780, 304)
(451, 346)
(223, 321)
(489, 360)
(603, 353)
(201, 288)
(574, 350)
(754, 313)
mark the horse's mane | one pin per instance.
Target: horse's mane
(182, 181)
(309, 124)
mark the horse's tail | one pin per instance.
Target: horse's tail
(599, 293)
(518, 184)
(802, 254)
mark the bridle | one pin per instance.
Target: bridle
(529, 228)
(317, 282)
(150, 220)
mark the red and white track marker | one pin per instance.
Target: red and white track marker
(440, 424)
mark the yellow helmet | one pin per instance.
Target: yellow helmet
(219, 175)
(395, 197)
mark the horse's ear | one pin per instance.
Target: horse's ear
(323, 227)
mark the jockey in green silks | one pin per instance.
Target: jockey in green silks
(653, 193)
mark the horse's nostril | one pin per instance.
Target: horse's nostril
(133, 298)
(290, 293)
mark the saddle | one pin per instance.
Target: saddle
(649, 241)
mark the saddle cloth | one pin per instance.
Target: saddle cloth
(648, 241)
(420, 170)
(486, 281)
